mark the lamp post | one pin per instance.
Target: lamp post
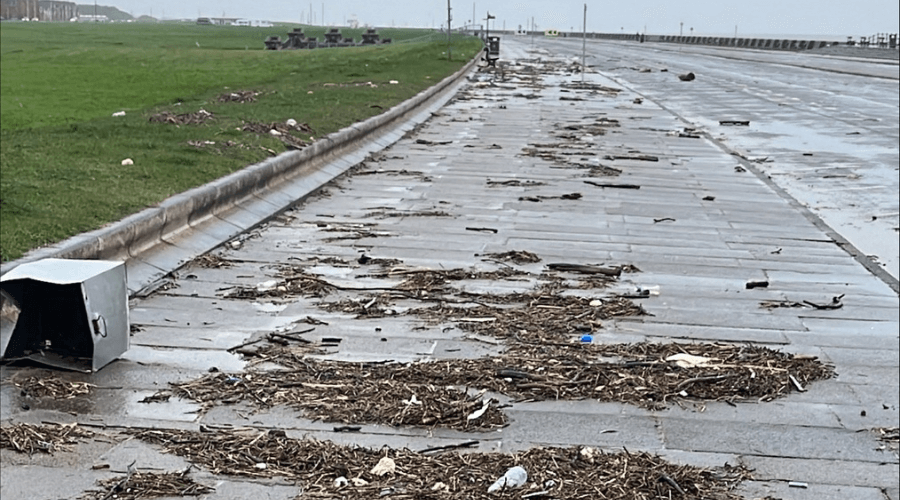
(583, 43)
(449, 56)
(681, 29)
(487, 25)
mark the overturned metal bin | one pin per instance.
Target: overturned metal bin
(70, 314)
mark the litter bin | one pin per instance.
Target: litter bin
(70, 314)
(493, 46)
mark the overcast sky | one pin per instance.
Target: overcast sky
(707, 17)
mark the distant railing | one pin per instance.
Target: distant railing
(881, 40)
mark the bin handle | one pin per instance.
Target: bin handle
(98, 318)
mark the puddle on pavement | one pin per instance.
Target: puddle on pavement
(196, 359)
(269, 307)
(803, 138)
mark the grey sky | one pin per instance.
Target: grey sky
(707, 17)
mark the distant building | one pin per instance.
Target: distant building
(38, 10)
(90, 18)
(221, 21)
(252, 22)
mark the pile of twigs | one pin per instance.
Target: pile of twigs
(239, 96)
(352, 393)
(439, 394)
(516, 257)
(198, 118)
(211, 261)
(137, 485)
(889, 436)
(48, 438)
(550, 318)
(327, 470)
(296, 284)
(52, 386)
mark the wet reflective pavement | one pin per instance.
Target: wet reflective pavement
(496, 170)
(825, 130)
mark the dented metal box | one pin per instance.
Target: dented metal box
(69, 314)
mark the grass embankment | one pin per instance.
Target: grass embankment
(62, 150)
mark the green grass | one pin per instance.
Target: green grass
(60, 161)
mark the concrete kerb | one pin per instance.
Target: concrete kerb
(140, 232)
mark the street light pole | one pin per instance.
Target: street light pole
(449, 57)
(583, 43)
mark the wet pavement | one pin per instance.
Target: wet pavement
(496, 170)
(824, 129)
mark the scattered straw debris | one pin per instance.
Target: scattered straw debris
(430, 281)
(45, 438)
(889, 437)
(240, 96)
(327, 470)
(212, 261)
(287, 134)
(198, 118)
(437, 394)
(351, 393)
(352, 231)
(530, 318)
(291, 281)
(284, 128)
(136, 485)
(53, 387)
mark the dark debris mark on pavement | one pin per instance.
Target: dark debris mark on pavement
(386, 214)
(44, 438)
(514, 183)
(417, 174)
(322, 469)
(593, 87)
(136, 485)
